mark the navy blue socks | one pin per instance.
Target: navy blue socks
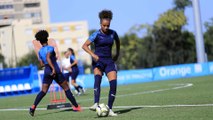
(71, 97)
(39, 97)
(112, 93)
(78, 88)
(97, 88)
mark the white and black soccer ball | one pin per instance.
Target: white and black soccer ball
(102, 110)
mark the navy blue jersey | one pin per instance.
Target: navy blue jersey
(42, 56)
(103, 42)
(72, 59)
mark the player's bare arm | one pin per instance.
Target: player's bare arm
(88, 50)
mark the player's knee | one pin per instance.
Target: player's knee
(73, 82)
(43, 93)
(65, 86)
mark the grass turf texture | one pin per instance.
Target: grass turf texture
(128, 95)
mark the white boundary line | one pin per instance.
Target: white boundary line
(131, 94)
(165, 106)
(123, 107)
(146, 92)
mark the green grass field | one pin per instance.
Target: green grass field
(146, 101)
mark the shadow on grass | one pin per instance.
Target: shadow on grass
(127, 110)
(123, 111)
(58, 111)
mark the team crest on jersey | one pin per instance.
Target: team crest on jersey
(111, 36)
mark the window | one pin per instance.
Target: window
(57, 42)
(29, 44)
(32, 15)
(80, 40)
(66, 28)
(29, 31)
(8, 17)
(27, 15)
(6, 6)
(37, 14)
(29, 5)
(54, 29)
(78, 27)
(67, 41)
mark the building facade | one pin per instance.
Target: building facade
(35, 10)
(21, 19)
(16, 40)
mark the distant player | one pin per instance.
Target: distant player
(103, 62)
(47, 58)
(74, 71)
(65, 64)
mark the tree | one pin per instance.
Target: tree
(208, 37)
(174, 46)
(164, 43)
(130, 53)
(172, 20)
(2, 60)
(28, 59)
(182, 4)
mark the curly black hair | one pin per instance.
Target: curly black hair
(105, 14)
(42, 36)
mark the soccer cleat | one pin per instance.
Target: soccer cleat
(112, 114)
(77, 109)
(83, 90)
(31, 111)
(79, 94)
(93, 108)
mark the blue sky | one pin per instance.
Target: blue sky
(126, 12)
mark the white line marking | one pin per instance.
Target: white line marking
(146, 92)
(123, 107)
(20, 109)
(126, 95)
(165, 106)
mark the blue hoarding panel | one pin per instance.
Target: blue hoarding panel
(135, 76)
(21, 80)
(180, 71)
(124, 77)
(210, 65)
(29, 79)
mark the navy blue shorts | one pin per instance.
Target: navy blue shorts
(74, 74)
(59, 78)
(67, 76)
(105, 65)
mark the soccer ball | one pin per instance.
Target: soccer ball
(102, 110)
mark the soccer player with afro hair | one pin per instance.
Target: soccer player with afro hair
(103, 61)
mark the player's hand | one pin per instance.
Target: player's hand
(95, 57)
(115, 58)
(53, 73)
(65, 68)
